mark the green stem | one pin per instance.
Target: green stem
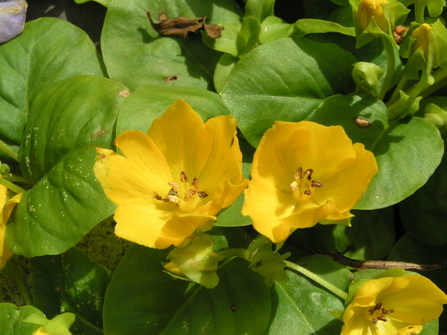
(402, 82)
(17, 179)
(18, 277)
(395, 107)
(389, 49)
(419, 10)
(254, 245)
(6, 148)
(309, 274)
(11, 186)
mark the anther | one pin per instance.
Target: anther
(307, 192)
(183, 176)
(382, 318)
(195, 182)
(316, 183)
(308, 173)
(173, 185)
(202, 194)
(377, 307)
(299, 173)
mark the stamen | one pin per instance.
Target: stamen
(374, 320)
(316, 183)
(382, 318)
(375, 308)
(294, 186)
(195, 182)
(299, 173)
(183, 177)
(202, 194)
(173, 185)
(307, 192)
(308, 174)
(387, 311)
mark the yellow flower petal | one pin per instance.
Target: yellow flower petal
(141, 172)
(5, 252)
(181, 136)
(393, 305)
(222, 177)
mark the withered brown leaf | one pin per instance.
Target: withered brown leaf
(181, 26)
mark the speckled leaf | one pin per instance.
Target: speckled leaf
(136, 54)
(48, 50)
(65, 125)
(142, 299)
(71, 282)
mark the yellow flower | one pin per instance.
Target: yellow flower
(303, 173)
(6, 209)
(173, 180)
(422, 39)
(393, 305)
(372, 9)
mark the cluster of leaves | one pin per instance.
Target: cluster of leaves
(60, 98)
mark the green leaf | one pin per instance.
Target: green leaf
(149, 102)
(71, 282)
(229, 41)
(400, 147)
(135, 54)
(314, 26)
(48, 50)
(423, 214)
(12, 319)
(259, 9)
(65, 125)
(223, 68)
(157, 304)
(297, 78)
(300, 304)
(273, 28)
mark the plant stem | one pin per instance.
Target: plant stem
(5, 148)
(18, 277)
(11, 186)
(309, 274)
(389, 49)
(419, 10)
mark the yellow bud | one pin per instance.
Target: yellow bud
(421, 37)
(372, 9)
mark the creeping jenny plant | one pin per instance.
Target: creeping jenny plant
(217, 158)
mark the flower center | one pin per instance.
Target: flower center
(173, 194)
(304, 186)
(378, 313)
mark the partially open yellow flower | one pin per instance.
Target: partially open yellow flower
(422, 39)
(174, 179)
(303, 173)
(372, 9)
(6, 208)
(393, 305)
